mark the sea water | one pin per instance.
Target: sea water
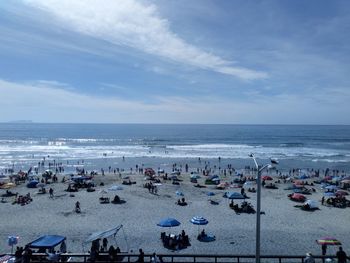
(97, 146)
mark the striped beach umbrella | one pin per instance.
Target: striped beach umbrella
(199, 220)
(329, 241)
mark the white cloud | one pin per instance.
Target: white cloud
(138, 25)
(46, 103)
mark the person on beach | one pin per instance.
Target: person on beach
(324, 249)
(77, 207)
(309, 258)
(141, 258)
(341, 255)
(51, 192)
(154, 258)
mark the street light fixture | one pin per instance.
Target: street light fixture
(258, 202)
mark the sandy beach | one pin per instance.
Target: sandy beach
(285, 228)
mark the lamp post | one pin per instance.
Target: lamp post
(258, 203)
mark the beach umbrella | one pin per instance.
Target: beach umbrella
(329, 194)
(115, 188)
(266, 178)
(341, 193)
(233, 195)
(328, 178)
(336, 179)
(195, 176)
(179, 193)
(210, 193)
(168, 222)
(331, 187)
(298, 197)
(199, 220)
(312, 204)
(41, 185)
(248, 184)
(222, 185)
(346, 181)
(32, 184)
(329, 241)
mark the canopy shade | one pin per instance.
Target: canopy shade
(330, 241)
(47, 241)
(103, 234)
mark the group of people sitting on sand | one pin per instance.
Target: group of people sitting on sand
(175, 242)
(269, 185)
(339, 201)
(23, 199)
(202, 235)
(96, 249)
(181, 202)
(244, 208)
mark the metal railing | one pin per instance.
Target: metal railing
(174, 258)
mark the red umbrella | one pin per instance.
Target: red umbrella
(266, 178)
(298, 197)
(328, 178)
(341, 193)
(329, 241)
(299, 183)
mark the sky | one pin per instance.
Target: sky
(175, 61)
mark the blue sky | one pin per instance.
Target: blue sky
(175, 61)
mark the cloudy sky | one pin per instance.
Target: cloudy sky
(175, 61)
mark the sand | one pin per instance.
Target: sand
(284, 228)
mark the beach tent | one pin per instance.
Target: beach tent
(103, 234)
(47, 241)
(112, 232)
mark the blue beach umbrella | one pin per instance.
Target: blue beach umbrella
(32, 184)
(329, 194)
(331, 187)
(210, 193)
(168, 222)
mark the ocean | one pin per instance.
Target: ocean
(96, 146)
